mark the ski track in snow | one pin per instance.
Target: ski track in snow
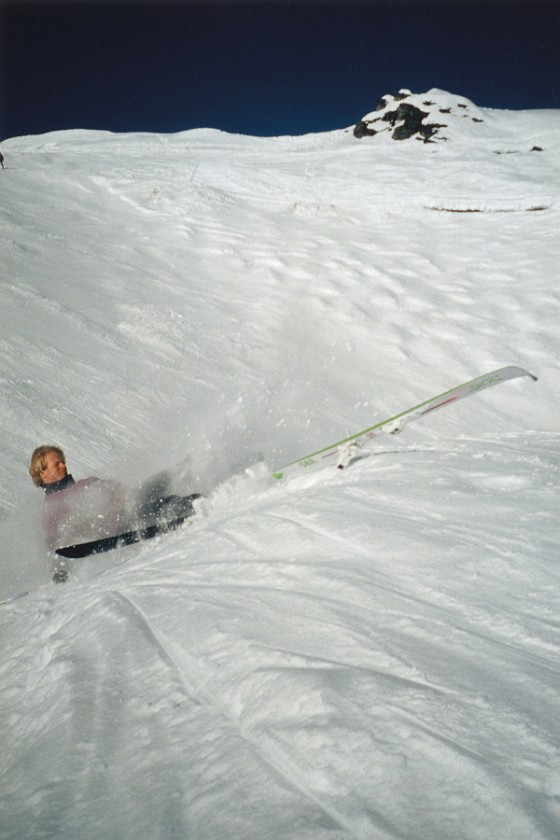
(367, 654)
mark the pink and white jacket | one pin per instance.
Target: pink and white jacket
(82, 511)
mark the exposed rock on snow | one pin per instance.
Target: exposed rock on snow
(409, 120)
(405, 115)
(406, 120)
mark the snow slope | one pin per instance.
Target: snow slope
(366, 654)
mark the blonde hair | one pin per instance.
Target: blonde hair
(38, 463)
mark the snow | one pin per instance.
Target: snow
(370, 653)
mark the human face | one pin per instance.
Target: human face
(54, 470)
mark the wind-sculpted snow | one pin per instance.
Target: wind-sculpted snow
(369, 653)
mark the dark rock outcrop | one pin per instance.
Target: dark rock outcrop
(406, 120)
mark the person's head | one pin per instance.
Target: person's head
(48, 465)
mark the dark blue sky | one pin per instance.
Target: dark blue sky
(265, 68)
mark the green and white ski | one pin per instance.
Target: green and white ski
(342, 452)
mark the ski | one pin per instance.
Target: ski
(179, 508)
(344, 451)
(79, 550)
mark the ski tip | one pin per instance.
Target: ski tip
(520, 371)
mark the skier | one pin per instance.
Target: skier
(87, 509)
(95, 509)
(2, 160)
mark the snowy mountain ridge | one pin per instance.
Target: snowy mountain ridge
(369, 653)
